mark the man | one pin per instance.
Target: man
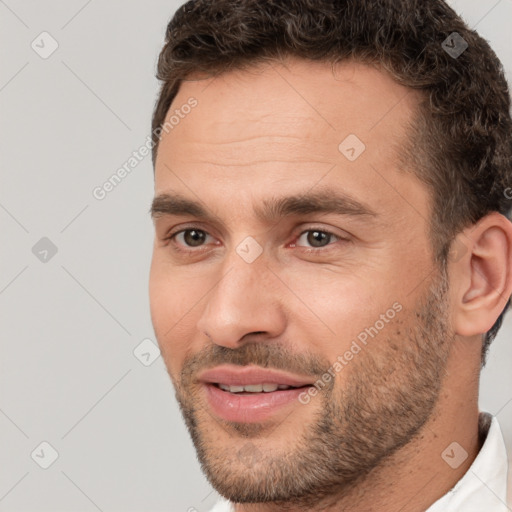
(332, 254)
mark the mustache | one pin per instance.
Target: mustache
(267, 355)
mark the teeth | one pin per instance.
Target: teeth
(233, 389)
(253, 388)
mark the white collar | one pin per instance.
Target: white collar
(484, 485)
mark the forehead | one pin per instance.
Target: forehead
(289, 125)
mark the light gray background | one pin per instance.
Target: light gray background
(68, 373)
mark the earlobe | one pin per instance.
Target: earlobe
(484, 275)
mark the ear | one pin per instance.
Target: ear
(482, 274)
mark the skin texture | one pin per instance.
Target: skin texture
(372, 438)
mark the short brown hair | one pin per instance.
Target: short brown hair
(459, 144)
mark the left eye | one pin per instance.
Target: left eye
(317, 238)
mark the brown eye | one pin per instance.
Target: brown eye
(193, 237)
(316, 238)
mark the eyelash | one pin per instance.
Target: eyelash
(172, 236)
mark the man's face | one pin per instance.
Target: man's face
(303, 293)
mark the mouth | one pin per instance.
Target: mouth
(255, 388)
(251, 394)
(250, 406)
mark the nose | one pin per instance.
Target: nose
(245, 300)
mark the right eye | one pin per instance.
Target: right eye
(189, 237)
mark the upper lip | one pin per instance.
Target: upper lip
(249, 375)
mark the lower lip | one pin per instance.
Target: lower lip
(249, 408)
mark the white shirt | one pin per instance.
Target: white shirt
(483, 488)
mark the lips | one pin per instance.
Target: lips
(251, 375)
(250, 394)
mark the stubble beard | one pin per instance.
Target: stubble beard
(389, 391)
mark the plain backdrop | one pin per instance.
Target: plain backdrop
(74, 269)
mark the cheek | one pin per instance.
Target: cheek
(169, 294)
(172, 316)
(348, 315)
(339, 305)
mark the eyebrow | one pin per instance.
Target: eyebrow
(271, 210)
